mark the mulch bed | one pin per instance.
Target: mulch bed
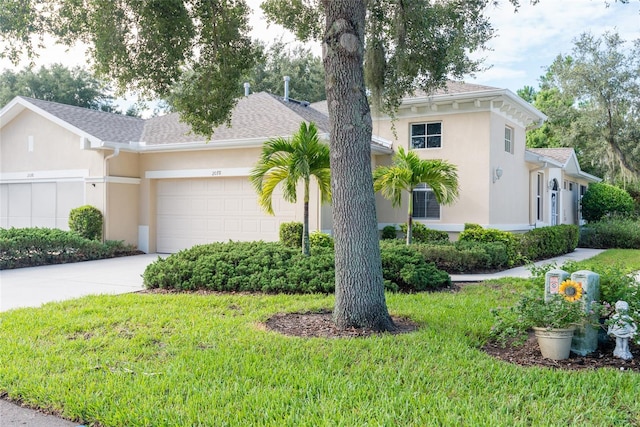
(320, 324)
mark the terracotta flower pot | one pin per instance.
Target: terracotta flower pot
(554, 344)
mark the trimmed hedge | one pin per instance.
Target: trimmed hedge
(28, 247)
(291, 234)
(86, 221)
(420, 233)
(465, 257)
(491, 235)
(549, 242)
(622, 233)
(271, 267)
(318, 239)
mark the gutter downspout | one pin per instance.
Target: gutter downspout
(106, 218)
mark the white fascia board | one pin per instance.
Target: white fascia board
(541, 160)
(483, 95)
(113, 180)
(589, 177)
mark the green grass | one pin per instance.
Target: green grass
(186, 360)
(628, 258)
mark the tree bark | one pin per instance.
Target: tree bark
(360, 300)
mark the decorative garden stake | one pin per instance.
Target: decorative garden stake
(587, 291)
(622, 327)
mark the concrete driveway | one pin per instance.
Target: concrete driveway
(34, 286)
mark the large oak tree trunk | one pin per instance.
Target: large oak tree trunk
(360, 300)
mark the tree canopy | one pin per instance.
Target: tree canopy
(75, 86)
(299, 63)
(592, 99)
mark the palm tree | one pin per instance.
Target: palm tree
(289, 161)
(408, 171)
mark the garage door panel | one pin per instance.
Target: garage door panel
(69, 195)
(19, 200)
(43, 204)
(198, 211)
(249, 226)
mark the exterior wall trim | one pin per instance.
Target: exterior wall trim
(38, 176)
(197, 173)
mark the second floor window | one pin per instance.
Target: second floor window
(426, 135)
(508, 140)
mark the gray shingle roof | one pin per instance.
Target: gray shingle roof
(105, 126)
(259, 115)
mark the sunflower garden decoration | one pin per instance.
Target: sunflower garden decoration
(553, 318)
(571, 290)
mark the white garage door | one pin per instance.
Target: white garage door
(41, 204)
(199, 211)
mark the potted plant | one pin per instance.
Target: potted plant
(553, 319)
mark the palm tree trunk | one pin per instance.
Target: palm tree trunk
(306, 247)
(410, 218)
(360, 300)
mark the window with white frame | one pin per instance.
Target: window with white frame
(426, 135)
(425, 205)
(508, 139)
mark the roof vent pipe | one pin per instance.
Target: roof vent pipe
(286, 88)
(247, 86)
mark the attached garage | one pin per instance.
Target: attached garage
(41, 204)
(194, 211)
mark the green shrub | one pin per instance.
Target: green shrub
(274, 268)
(602, 199)
(28, 247)
(495, 253)
(405, 267)
(492, 235)
(471, 226)
(291, 234)
(389, 232)
(615, 232)
(548, 242)
(421, 234)
(86, 221)
(318, 239)
(465, 257)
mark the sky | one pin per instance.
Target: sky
(526, 42)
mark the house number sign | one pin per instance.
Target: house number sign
(216, 173)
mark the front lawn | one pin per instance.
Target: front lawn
(196, 359)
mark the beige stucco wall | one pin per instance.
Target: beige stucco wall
(125, 164)
(509, 198)
(465, 143)
(54, 148)
(122, 213)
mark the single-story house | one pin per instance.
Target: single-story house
(165, 189)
